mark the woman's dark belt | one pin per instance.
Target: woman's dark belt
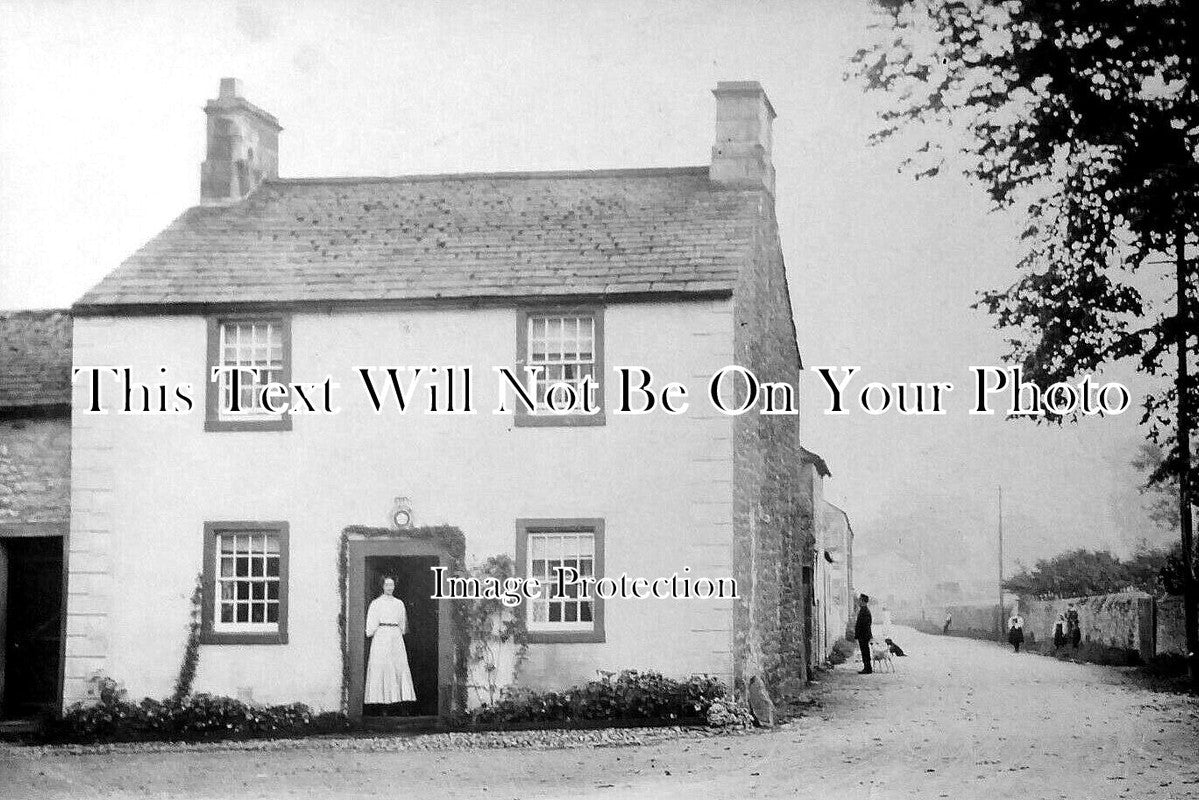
(389, 624)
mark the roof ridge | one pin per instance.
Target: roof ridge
(631, 172)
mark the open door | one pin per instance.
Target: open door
(409, 560)
(414, 582)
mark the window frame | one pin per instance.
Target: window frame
(212, 417)
(591, 525)
(526, 419)
(208, 632)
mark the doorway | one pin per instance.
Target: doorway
(408, 556)
(31, 620)
(414, 582)
(809, 603)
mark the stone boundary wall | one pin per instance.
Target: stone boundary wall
(1169, 627)
(1121, 628)
(970, 620)
(1116, 628)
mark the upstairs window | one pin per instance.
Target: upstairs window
(261, 344)
(567, 348)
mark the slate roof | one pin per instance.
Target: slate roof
(35, 359)
(469, 236)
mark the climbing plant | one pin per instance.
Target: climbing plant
(495, 630)
(191, 650)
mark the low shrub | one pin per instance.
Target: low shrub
(728, 714)
(841, 651)
(629, 694)
(115, 718)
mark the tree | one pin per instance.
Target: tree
(1081, 572)
(1085, 115)
(1155, 570)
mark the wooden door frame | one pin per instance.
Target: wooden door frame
(397, 545)
(25, 530)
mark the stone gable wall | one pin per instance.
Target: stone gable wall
(773, 529)
(35, 470)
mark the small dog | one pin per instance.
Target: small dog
(880, 655)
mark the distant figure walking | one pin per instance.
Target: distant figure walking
(1073, 629)
(863, 633)
(1015, 631)
(948, 622)
(1059, 631)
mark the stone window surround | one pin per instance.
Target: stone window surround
(592, 525)
(208, 606)
(212, 419)
(523, 419)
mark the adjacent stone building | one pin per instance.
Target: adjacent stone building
(35, 502)
(290, 521)
(831, 608)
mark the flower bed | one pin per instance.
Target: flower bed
(201, 717)
(627, 697)
(615, 700)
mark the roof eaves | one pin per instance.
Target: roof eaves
(708, 291)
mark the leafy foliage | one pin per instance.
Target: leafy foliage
(1081, 572)
(494, 628)
(728, 714)
(115, 718)
(629, 694)
(191, 649)
(1086, 114)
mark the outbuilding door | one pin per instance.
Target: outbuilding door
(31, 624)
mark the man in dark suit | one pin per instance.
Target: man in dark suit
(862, 632)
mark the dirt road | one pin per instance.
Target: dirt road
(958, 719)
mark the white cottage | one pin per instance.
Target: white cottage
(290, 521)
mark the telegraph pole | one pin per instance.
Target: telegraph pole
(999, 611)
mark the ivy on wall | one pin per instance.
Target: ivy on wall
(191, 648)
(494, 628)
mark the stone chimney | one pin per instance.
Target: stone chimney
(741, 155)
(243, 146)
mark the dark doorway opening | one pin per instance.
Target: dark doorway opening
(31, 587)
(415, 584)
(809, 602)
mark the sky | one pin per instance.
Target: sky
(102, 134)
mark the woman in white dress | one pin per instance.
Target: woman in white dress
(388, 678)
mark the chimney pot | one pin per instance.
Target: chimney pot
(230, 89)
(741, 156)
